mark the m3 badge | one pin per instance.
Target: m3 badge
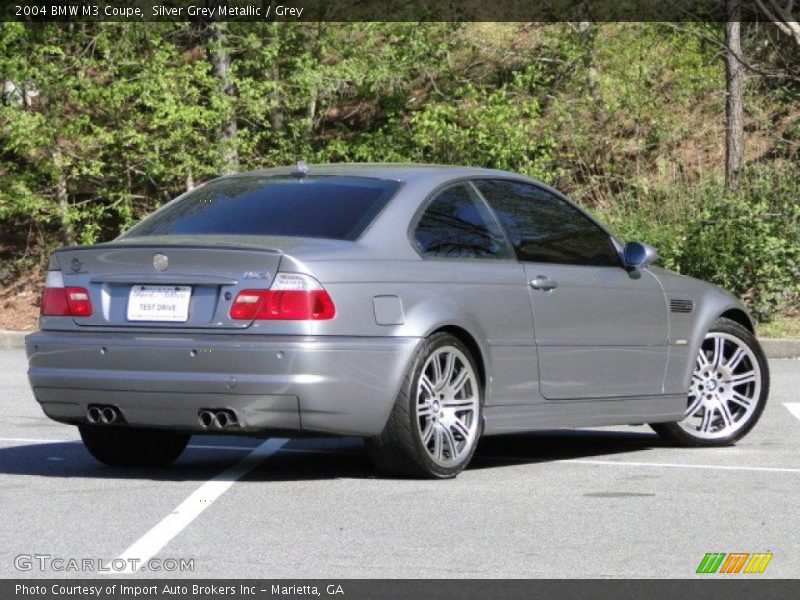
(262, 275)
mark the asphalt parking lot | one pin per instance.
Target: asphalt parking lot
(608, 502)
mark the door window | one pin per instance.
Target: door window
(545, 228)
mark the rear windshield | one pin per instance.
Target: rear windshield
(338, 208)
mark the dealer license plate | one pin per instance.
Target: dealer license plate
(159, 303)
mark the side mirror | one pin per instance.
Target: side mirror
(637, 255)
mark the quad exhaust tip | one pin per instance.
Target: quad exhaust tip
(100, 414)
(93, 415)
(206, 418)
(217, 418)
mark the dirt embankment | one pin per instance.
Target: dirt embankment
(19, 302)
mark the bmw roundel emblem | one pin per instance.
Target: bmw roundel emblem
(160, 262)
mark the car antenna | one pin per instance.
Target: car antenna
(301, 169)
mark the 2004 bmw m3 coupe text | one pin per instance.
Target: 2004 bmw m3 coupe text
(419, 307)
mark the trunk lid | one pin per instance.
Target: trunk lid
(166, 285)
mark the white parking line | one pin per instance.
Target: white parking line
(187, 511)
(794, 408)
(330, 451)
(619, 463)
(35, 441)
(212, 447)
(622, 463)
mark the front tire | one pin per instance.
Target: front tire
(124, 447)
(435, 424)
(728, 392)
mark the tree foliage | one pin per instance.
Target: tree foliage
(102, 123)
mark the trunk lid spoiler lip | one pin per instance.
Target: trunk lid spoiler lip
(156, 245)
(165, 279)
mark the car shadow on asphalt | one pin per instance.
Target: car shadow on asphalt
(312, 459)
(71, 459)
(561, 444)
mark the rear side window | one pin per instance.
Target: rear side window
(338, 208)
(544, 228)
(457, 224)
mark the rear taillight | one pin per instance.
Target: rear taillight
(80, 305)
(292, 297)
(61, 301)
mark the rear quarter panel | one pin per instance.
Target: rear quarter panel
(487, 299)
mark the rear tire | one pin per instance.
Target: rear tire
(435, 424)
(729, 389)
(124, 447)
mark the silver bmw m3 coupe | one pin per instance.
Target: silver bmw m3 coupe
(419, 307)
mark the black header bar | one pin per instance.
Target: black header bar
(713, 587)
(131, 11)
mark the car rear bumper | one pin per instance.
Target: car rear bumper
(339, 385)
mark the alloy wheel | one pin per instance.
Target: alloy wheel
(725, 389)
(447, 406)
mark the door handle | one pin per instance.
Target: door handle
(541, 282)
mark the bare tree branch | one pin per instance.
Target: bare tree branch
(781, 16)
(719, 43)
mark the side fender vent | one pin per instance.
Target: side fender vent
(678, 305)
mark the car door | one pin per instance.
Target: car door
(470, 274)
(600, 329)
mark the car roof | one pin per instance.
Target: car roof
(404, 172)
